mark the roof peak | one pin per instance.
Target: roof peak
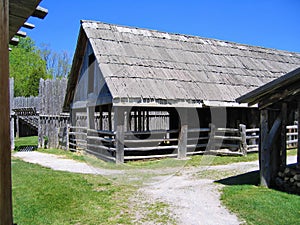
(165, 34)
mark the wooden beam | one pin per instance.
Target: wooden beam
(29, 26)
(5, 152)
(40, 12)
(21, 33)
(14, 41)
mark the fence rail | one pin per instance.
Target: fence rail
(164, 143)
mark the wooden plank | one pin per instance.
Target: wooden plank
(5, 151)
(195, 130)
(152, 132)
(252, 130)
(142, 141)
(149, 157)
(151, 148)
(228, 130)
(232, 138)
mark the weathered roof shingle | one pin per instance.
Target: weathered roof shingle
(141, 63)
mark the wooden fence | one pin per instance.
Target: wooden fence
(27, 102)
(164, 143)
(292, 136)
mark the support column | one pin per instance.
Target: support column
(243, 144)
(264, 159)
(5, 152)
(90, 117)
(298, 147)
(17, 127)
(119, 129)
(283, 135)
(12, 132)
(183, 133)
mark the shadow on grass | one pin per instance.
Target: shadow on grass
(250, 178)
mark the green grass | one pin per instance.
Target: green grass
(43, 196)
(262, 206)
(193, 161)
(33, 140)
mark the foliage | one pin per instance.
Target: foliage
(58, 64)
(26, 67)
(44, 196)
(259, 205)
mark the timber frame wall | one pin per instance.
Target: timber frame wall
(124, 133)
(279, 104)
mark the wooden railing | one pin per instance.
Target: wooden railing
(164, 143)
(292, 136)
(77, 140)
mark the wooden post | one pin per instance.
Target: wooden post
(211, 142)
(183, 134)
(109, 119)
(283, 135)
(90, 117)
(68, 138)
(12, 132)
(298, 147)
(119, 129)
(269, 153)
(243, 145)
(101, 119)
(5, 152)
(263, 154)
(17, 127)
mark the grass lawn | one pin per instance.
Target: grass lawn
(43, 196)
(262, 206)
(33, 140)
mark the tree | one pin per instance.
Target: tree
(57, 64)
(27, 67)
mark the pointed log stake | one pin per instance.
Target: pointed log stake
(5, 154)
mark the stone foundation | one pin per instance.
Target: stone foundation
(288, 180)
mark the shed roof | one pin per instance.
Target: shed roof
(147, 64)
(19, 12)
(284, 87)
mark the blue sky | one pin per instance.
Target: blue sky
(267, 23)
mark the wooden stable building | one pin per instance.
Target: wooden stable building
(133, 91)
(279, 105)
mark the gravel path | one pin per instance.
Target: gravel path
(193, 200)
(60, 163)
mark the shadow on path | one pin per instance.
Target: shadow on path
(250, 178)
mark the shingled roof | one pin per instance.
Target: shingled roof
(146, 64)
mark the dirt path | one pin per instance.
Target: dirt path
(191, 193)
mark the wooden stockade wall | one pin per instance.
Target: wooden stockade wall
(27, 102)
(52, 123)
